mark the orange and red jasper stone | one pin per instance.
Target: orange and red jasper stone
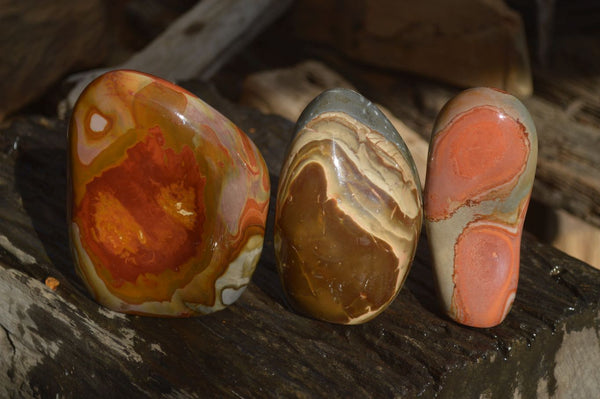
(168, 199)
(349, 211)
(480, 173)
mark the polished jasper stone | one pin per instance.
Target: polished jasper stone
(480, 172)
(167, 198)
(349, 211)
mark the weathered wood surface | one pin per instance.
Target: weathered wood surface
(62, 343)
(483, 44)
(199, 42)
(41, 41)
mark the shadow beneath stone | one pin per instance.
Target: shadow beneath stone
(266, 276)
(541, 221)
(40, 180)
(421, 280)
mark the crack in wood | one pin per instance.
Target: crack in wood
(7, 358)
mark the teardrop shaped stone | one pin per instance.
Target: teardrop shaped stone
(480, 172)
(167, 198)
(349, 211)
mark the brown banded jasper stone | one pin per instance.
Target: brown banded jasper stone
(349, 211)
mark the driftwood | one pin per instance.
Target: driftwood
(547, 20)
(39, 42)
(574, 236)
(482, 44)
(61, 343)
(199, 42)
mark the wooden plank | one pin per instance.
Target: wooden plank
(569, 161)
(199, 42)
(204, 38)
(483, 44)
(62, 343)
(40, 42)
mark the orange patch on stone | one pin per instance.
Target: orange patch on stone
(486, 270)
(480, 152)
(146, 214)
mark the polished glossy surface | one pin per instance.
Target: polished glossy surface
(167, 198)
(349, 211)
(480, 173)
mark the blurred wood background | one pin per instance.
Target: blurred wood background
(260, 62)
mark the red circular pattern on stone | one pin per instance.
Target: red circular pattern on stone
(486, 269)
(480, 152)
(130, 239)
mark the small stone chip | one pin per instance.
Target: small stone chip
(52, 283)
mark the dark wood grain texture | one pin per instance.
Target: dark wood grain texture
(482, 44)
(40, 42)
(199, 42)
(62, 343)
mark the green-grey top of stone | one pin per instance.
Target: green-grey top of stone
(363, 110)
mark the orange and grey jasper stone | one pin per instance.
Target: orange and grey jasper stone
(167, 198)
(349, 211)
(480, 172)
